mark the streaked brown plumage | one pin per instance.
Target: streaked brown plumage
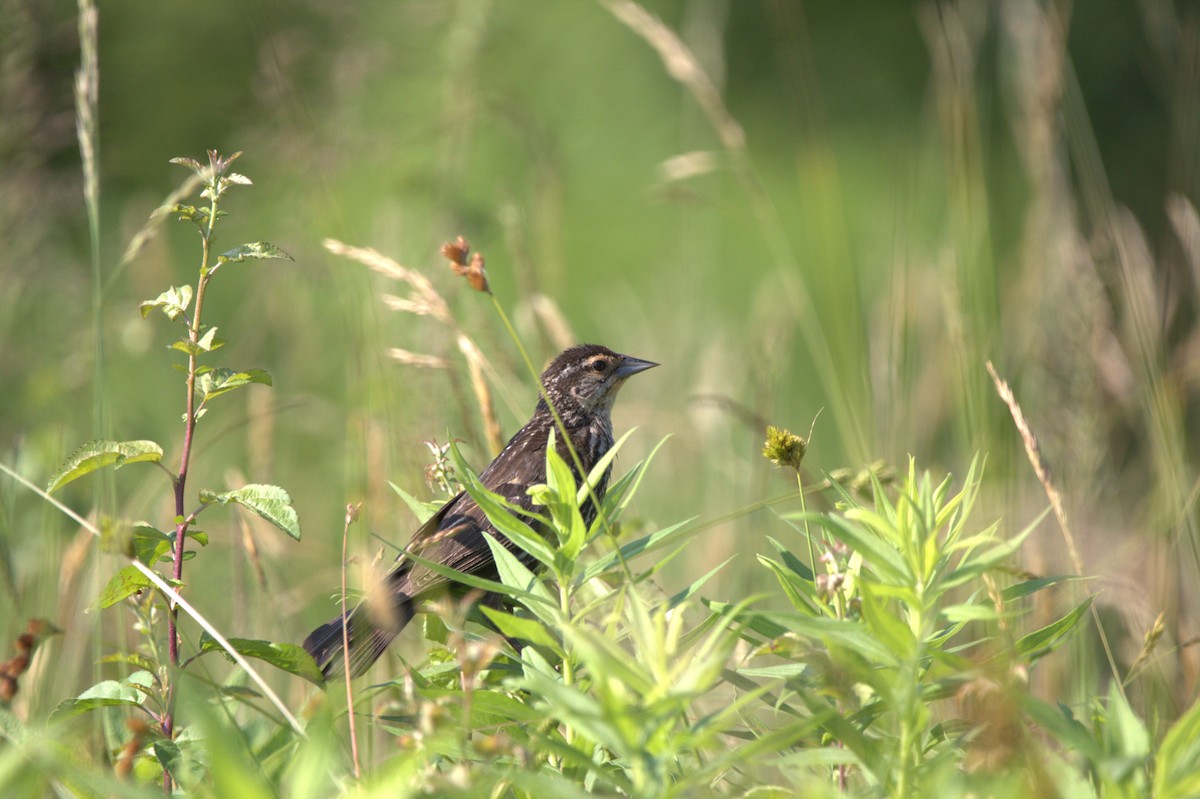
(582, 383)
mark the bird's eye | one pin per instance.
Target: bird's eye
(599, 365)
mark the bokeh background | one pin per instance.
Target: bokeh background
(798, 208)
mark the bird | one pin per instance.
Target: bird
(581, 384)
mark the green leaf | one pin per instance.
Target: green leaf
(174, 302)
(108, 693)
(268, 501)
(524, 629)
(647, 543)
(259, 250)
(125, 583)
(185, 346)
(482, 583)
(1177, 764)
(218, 381)
(189, 213)
(501, 513)
(149, 544)
(209, 341)
(288, 657)
(561, 499)
(877, 552)
(1046, 640)
(1027, 587)
(422, 510)
(100, 453)
(515, 574)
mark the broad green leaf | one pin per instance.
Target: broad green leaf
(268, 501)
(125, 583)
(218, 381)
(1046, 640)
(288, 657)
(100, 453)
(257, 250)
(108, 693)
(174, 302)
(209, 341)
(149, 544)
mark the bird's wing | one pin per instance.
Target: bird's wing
(458, 542)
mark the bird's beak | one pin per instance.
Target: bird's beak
(631, 366)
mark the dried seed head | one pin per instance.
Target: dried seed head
(456, 252)
(466, 263)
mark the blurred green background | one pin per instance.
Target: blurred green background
(844, 208)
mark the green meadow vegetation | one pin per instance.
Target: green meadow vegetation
(909, 509)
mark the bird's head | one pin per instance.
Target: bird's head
(584, 380)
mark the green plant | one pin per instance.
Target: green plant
(152, 688)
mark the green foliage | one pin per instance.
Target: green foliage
(270, 502)
(177, 756)
(99, 454)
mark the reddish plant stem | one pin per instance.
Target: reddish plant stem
(180, 480)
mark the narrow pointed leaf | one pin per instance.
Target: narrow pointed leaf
(1050, 637)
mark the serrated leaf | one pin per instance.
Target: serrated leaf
(108, 693)
(289, 657)
(219, 381)
(239, 178)
(125, 583)
(257, 250)
(192, 164)
(100, 453)
(174, 302)
(268, 501)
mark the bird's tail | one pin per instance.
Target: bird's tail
(367, 640)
